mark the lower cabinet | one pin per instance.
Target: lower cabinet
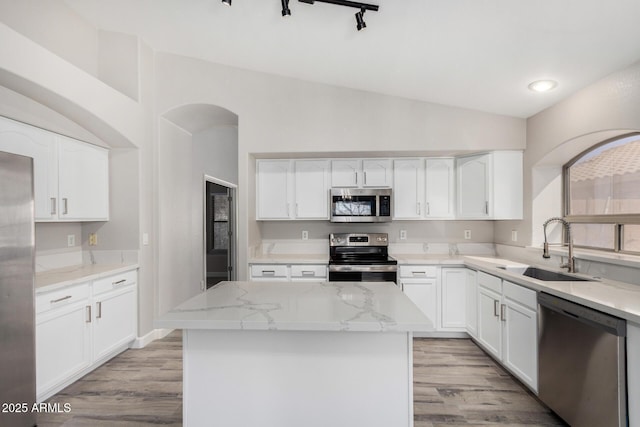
(471, 303)
(508, 326)
(423, 293)
(79, 327)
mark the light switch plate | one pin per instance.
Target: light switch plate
(467, 234)
(71, 240)
(403, 234)
(305, 235)
(514, 235)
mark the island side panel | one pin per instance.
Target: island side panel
(290, 378)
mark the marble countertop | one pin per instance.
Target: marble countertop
(295, 306)
(609, 296)
(54, 279)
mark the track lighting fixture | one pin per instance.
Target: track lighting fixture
(285, 8)
(360, 24)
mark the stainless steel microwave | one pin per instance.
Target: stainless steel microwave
(361, 205)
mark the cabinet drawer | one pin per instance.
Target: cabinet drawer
(61, 297)
(309, 271)
(114, 282)
(418, 271)
(520, 294)
(490, 282)
(269, 270)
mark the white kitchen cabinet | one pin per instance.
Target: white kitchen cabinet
(63, 338)
(376, 173)
(115, 305)
(490, 185)
(83, 181)
(273, 189)
(311, 180)
(292, 189)
(71, 178)
(309, 272)
(474, 183)
(81, 326)
(471, 306)
(423, 293)
(269, 272)
(507, 326)
(288, 272)
(408, 189)
(453, 299)
(440, 188)
(352, 173)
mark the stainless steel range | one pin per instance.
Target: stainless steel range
(361, 257)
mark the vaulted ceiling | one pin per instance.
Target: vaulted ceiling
(477, 54)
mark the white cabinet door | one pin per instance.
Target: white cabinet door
(408, 189)
(273, 190)
(344, 173)
(311, 189)
(18, 138)
(489, 325)
(376, 173)
(507, 192)
(63, 346)
(423, 293)
(83, 184)
(440, 188)
(114, 321)
(520, 351)
(471, 296)
(453, 282)
(474, 183)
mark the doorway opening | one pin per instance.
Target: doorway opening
(219, 230)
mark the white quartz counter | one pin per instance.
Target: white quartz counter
(616, 298)
(295, 306)
(54, 279)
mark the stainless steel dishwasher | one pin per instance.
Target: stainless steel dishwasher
(582, 372)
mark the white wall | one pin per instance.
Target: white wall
(281, 115)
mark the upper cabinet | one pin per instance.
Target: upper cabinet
(490, 186)
(353, 173)
(292, 189)
(71, 178)
(423, 188)
(483, 186)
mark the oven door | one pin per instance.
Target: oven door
(363, 273)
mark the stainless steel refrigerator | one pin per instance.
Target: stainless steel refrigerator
(17, 313)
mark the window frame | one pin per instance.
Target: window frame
(617, 220)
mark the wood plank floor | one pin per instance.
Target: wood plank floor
(455, 384)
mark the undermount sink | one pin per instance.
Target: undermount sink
(544, 275)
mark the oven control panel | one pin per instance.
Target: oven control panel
(359, 239)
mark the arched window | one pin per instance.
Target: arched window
(602, 195)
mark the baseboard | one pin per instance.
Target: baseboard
(441, 334)
(146, 339)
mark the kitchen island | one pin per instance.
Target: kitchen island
(278, 354)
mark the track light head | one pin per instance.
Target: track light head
(227, 2)
(285, 8)
(360, 24)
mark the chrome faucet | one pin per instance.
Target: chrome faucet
(570, 265)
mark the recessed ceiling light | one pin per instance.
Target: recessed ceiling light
(543, 85)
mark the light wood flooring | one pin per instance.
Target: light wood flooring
(455, 384)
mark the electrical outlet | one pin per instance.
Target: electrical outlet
(145, 239)
(305, 235)
(467, 234)
(403, 234)
(71, 240)
(93, 239)
(514, 235)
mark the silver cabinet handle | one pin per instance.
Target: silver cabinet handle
(53, 301)
(119, 282)
(268, 272)
(356, 174)
(65, 206)
(486, 208)
(503, 312)
(308, 273)
(288, 208)
(88, 314)
(419, 273)
(53, 206)
(428, 209)
(418, 208)
(297, 210)
(365, 178)
(99, 306)
(496, 307)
